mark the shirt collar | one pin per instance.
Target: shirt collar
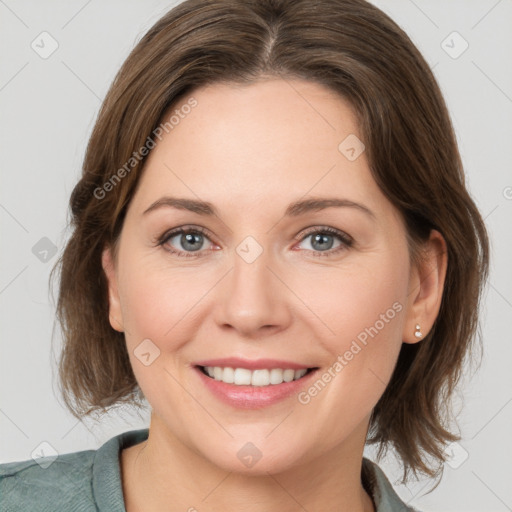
(385, 499)
(106, 473)
(108, 491)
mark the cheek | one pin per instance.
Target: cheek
(362, 315)
(372, 310)
(159, 302)
(359, 300)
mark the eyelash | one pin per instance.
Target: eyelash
(346, 240)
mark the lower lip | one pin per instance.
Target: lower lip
(253, 397)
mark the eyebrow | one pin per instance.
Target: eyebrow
(293, 210)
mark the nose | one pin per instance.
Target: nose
(254, 301)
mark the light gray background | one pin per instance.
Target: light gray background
(48, 107)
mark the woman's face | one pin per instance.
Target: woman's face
(266, 281)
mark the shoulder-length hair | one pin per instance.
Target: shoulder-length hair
(354, 49)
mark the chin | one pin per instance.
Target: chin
(257, 457)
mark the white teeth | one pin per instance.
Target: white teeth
(245, 377)
(299, 373)
(260, 378)
(228, 375)
(276, 376)
(242, 376)
(288, 375)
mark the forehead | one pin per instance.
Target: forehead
(273, 140)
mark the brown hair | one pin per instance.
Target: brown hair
(352, 48)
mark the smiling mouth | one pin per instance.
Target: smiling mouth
(260, 377)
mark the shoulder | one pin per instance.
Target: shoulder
(88, 480)
(384, 496)
(52, 483)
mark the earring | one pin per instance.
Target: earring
(418, 333)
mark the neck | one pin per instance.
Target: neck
(162, 473)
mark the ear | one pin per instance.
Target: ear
(426, 287)
(115, 313)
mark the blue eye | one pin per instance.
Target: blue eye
(190, 241)
(323, 239)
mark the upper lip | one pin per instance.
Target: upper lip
(252, 364)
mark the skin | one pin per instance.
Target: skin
(251, 151)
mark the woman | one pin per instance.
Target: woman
(272, 244)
